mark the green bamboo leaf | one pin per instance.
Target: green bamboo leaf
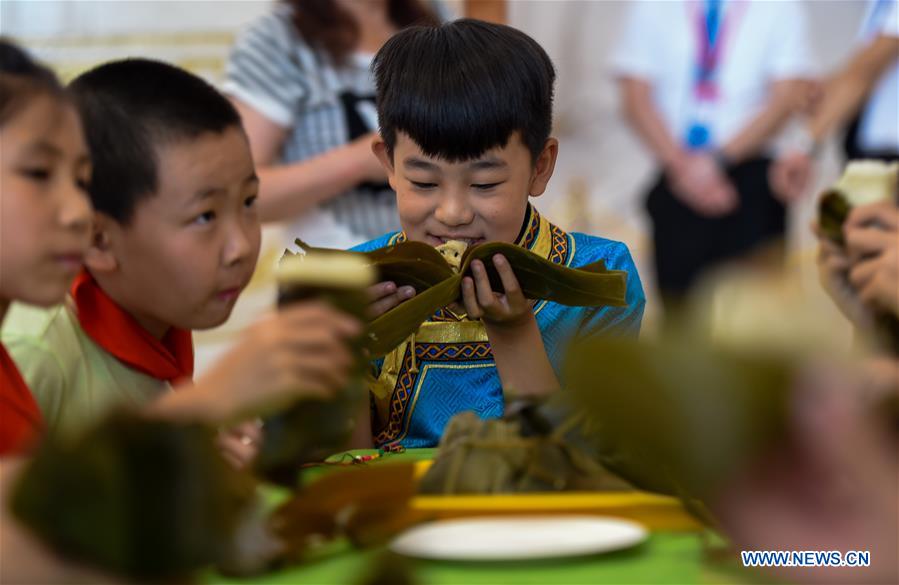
(410, 263)
(313, 428)
(437, 285)
(540, 278)
(413, 264)
(143, 499)
(833, 209)
(393, 327)
(679, 417)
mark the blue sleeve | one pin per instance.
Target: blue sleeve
(379, 242)
(625, 320)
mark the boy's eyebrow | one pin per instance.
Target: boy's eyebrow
(215, 191)
(487, 163)
(480, 164)
(43, 148)
(420, 163)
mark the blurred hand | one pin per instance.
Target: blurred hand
(810, 97)
(831, 485)
(833, 274)
(790, 176)
(385, 296)
(362, 158)
(240, 444)
(699, 183)
(880, 377)
(872, 245)
(299, 351)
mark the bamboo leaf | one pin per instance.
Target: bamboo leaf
(144, 499)
(677, 417)
(437, 285)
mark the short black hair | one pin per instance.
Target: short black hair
(21, 78)
(130, 108)
(464, 87)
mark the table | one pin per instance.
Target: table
(665, 558)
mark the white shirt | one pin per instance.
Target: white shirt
(763, 42)
(879, 125)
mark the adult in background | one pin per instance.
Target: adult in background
(300, 79)
(707, 85)
(864, 95)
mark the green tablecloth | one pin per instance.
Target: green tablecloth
(666, 557)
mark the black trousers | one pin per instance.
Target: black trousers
(853, 150)
(687, 244)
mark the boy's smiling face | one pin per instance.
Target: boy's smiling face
(478, 200)
(191, 248)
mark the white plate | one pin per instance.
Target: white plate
(518, 537)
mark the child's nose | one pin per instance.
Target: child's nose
(454, 210)
(75, 212)
(240, 244)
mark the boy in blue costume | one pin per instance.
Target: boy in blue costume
(465, 112)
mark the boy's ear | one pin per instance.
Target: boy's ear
(379, 147)
(99, 257)
(544, 167)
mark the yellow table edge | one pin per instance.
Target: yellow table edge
(654, 511)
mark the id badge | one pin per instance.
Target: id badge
(699, 133)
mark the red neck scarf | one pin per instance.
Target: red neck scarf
(116, 331)
(20, 418)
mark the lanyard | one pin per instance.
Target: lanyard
(713, 27)
(712, 30)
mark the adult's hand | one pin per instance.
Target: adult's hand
(872, 245)
(699, 183)
(790, 176)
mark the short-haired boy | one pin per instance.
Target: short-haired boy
(465, 111)
(175, 240)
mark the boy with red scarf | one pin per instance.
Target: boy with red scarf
(175, 240)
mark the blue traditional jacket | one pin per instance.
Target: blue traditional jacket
(447, 366)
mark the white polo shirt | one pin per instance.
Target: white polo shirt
(763, 42)
(879, 125)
